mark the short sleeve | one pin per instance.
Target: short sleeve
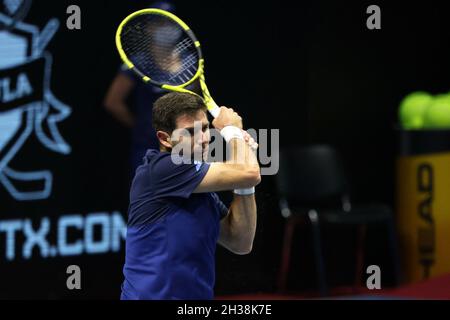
(176, 180)
(220, 206)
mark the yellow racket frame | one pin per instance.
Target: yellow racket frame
(209, 102)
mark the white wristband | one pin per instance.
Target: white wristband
(245, 192)
(231, 132)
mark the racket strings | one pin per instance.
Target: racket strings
(160, 49)
(183, 45)
(188, 71)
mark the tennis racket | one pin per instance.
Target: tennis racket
(162, 50)
(12, 11)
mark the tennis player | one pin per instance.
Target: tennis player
(175, 219)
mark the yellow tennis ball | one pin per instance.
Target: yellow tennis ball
(437, 116)
(413, 108)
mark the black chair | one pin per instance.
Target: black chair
(313, 190)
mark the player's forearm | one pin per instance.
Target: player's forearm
(241, 224)
(244, 158)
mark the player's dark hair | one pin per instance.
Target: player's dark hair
(168, 108)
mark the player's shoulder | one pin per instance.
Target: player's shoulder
(160, 162)
(155, 157)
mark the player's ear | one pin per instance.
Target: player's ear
(164, 139)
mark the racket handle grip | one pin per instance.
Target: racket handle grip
(215, 111)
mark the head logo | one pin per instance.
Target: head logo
(27, 104)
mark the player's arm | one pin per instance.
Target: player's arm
(238, 228)
(242, 170)
(115, 100)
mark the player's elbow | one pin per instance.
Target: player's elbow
(110, 104)
(250, 178)
(257, 177)
(241, 248)
(242, 243)
(237, 237)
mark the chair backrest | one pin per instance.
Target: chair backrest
(311, 175)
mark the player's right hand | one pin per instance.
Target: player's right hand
(227, 117)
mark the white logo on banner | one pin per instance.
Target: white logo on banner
(27, 105)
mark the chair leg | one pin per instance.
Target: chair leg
(321, 274)
(359, 269)
(286, 253)
(393, 246)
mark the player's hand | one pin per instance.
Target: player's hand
(249, 140)
(227, 117)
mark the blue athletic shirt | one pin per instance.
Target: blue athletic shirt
(172, 233)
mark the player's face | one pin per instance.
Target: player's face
(194, 133)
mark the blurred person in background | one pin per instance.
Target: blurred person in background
(130, 101)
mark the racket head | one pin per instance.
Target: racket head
(13, 11)
(160, 48)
